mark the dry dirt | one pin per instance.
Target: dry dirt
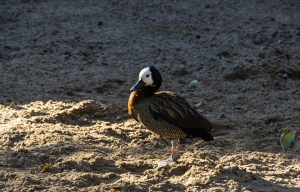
(67, 67)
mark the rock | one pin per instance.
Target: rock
(223, 54)
(274, 34)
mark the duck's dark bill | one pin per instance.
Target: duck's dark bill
(164, 163)
(138, 85)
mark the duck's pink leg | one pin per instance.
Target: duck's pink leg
(175, 150)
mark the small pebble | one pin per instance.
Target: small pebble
(223, 55)
(222, 116)
(274, 34)
(285, 75)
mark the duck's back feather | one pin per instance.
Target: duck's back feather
(170, 115)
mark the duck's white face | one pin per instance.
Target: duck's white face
(146, 76)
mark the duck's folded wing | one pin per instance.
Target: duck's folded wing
(177, 111)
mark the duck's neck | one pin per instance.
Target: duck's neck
(138, 95)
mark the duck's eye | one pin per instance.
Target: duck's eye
(147, 75)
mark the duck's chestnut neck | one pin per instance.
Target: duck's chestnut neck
(138, 95)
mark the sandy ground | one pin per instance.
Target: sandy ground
(67, 67)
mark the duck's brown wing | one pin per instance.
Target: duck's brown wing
(177, 112)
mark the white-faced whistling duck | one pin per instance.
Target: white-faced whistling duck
(165, 113)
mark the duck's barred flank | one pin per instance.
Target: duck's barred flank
(158, 126)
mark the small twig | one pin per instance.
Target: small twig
(13, 104)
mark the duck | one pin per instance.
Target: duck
(165, 113)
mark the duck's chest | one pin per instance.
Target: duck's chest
(137, 105)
